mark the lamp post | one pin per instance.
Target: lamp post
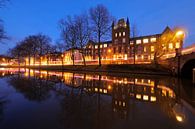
(62, 61)
(179, 35)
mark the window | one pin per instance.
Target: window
(119, 49)
(124, 40)
(119, 34)
(116, 41)
(131, 42)
(101, 46)
(123, 33)
(152, 48)
(138, 41)
(116, 34)
(145, 41)
(144, 49)
(105, 45)
(96, 46)
(170, 45)
(177, 45)
(153, 39)
(114, 50)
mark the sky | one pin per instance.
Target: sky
(27, 17)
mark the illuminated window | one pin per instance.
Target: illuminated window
(124, 104)
(177, 45)
(170, 45)
(125, 58)
(131, 42)
(144, 49)
(152, 57)
(152, 48)
(100, 46)
(123, 33)
(116, 34)
(145, 97)
(96, 46)
(119, 103)
(119, 34)
(145, 41)
(138, 96)
(138, 41)
(124, 40)
(153, 99)
(153, 39)
(105, 45)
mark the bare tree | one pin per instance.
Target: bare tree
(69, 34)
(2, 31)
(83, 33)
(101, 21)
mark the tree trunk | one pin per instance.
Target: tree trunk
(99, 54)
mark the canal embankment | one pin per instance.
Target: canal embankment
(148, 69)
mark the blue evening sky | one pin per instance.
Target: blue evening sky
(27, 17)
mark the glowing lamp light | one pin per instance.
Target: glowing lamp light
(179, 33)
(109, 87)
(179, 118)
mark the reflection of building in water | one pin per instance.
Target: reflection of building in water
(121, 90)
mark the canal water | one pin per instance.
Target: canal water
(36, 99)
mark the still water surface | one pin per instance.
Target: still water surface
(34, 99)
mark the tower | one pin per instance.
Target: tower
(120, 39)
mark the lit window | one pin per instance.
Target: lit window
(153, 98)
(177, 45)
(124, 40)
(119, 34)
(116, 34)
(138, 96)
(153, 39)
(170, 45)
(145, 97)
(145, 41)
(100, 46)
(105, 45)
(124, 104)
(138, 41)
(131, 42)
(96, 46)
(125, 58)
(152, 57)
(152, 48)
(144, 49)
(123, 33)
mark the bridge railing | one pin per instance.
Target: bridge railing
(188, 50)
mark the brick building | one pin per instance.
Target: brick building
(124, 49)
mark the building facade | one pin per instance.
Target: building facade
(124, 49)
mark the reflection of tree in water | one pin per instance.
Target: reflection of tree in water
(80, 110)
(32, 88)
(2, 104)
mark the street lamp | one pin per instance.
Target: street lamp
(180, 35)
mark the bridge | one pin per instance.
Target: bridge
(182, 63)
